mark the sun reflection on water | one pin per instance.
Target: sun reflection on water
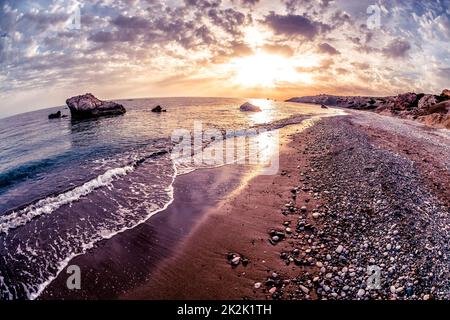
(267, 112)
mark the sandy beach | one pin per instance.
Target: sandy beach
(300, 267)
(345, 197)
(357, 209)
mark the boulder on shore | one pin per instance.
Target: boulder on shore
(88, 106)
(249, 107)
(158, 108)
(55, 115)
(445, 93)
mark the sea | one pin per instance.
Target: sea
(67, 184)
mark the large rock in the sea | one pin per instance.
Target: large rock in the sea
(88, 106)
(249, 107)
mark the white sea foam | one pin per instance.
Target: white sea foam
(50, 204)
(103, 236)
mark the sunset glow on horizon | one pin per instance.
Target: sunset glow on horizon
(235, 48)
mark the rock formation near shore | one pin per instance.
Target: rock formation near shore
(249, 107)
(55, 115)
(88, 106)
(428, 108)
(158, 108)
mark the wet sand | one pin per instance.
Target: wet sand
(117, 265)
(200, 270)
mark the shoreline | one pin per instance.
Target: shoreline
(202, 257)
(213, 184)
(114, 264)
(317, 261)
(296, 203)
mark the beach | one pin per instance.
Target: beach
(352, 192)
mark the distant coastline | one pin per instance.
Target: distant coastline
(430, 109)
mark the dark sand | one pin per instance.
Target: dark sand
(126, 260)
(199, 269)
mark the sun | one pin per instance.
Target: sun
(263, 70)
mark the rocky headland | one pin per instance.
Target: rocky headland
(433, 110)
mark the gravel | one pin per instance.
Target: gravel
(377, 218)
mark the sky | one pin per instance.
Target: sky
(54, 49)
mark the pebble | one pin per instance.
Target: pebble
(339, 249)
(361, 292)
(304, 289)
(426, 297)
(389, 246)
(276, 238)
(316, 215)
(272, 290)
(319, 264)
(303, 208)
(257, 285)
(235, 261)
(288, 230)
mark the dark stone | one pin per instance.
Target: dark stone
(87, 106)
(249, 107)
(56, 115)
(158, 109)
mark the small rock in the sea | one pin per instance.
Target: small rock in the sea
(56, 115)
(339, 249)
(257, 285)
(249, 107)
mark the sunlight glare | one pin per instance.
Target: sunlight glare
(264, 70)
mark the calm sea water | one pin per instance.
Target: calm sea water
(65, 185)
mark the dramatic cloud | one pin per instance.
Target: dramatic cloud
(295, 25)
(50, 49)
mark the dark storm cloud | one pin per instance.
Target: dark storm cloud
(397, 48)
(295, 25)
